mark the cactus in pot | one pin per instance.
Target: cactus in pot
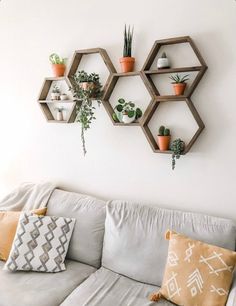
(163, 138)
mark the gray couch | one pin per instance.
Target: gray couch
(116, 256)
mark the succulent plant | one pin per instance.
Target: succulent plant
(163, 131)
(179, 79)
(177, 148)
(56, 59)
(56, 89)
(128, 38)
(163, 55)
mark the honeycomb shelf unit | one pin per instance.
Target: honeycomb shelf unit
(145, 74)
(44, 102)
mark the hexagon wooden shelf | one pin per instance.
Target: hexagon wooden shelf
(110, 88)
(147, 73)
(78, 57)
(44, 101)
(153, 107)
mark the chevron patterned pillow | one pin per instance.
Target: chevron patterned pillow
(40, 243)
(196, 273)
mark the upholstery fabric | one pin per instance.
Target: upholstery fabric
(40, 244)
(106, 288)
(134, 240)
(8, 225)
(87, 238)
(196, 272)
(41, 289)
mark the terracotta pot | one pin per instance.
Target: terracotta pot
(179, 88)
(163, 142)
(87, 85)
(127, 64)
(58, 70)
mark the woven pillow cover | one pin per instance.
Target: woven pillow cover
(8, 226)
(40, 244)
(196, 273)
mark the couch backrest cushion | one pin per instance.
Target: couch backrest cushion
(87, 238)
(134, 242)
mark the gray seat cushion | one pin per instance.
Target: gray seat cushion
(87, 238)
(41, 289)
(134, 243)
(106, 288)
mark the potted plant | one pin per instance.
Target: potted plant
(84, 96)
(179, 83)
(126, 112)
(177, 147)
(55, 94)
(59, 114)
(163, 138)
(127, 61)
(58, 65)
(163, 62)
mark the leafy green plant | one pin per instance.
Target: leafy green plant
(56, 89)
(127, 108)
(179, 79)
(128, 38)
(56, 59)
(177, 148)
(163, 131)
(84, 100)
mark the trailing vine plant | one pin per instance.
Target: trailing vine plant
(85, 89)
(177, 148)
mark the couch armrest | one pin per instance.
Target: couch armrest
(232, 294)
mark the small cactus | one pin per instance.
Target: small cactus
(163, 55)
(167, 132)
(163, 131)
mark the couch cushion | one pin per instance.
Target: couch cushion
(87, 238)
(106, 288)
(134, 243)
(41, 289)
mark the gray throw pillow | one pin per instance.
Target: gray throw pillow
(40, 243)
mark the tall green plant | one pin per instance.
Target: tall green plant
(84, 100)
(128, 38)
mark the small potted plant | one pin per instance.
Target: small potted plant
(55, 94)
(179, 83)
(177, 147)
(127, 61)
(126, 112)
(63, 96)
(58, 65)
(59, 114)
(163, 138)
(84, 95)
(163, 62)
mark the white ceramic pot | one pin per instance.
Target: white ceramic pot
(55, 96)
(59, 115)
(163, 63)
(126, 119)
(63, 97)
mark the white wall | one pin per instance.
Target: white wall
(119, 163)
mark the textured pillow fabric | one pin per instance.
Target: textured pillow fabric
(8, 225)
(40, 243)
(196, 273)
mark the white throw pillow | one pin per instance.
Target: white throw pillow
(40, 243)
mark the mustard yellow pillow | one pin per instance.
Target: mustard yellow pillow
(8, 225)
(196, 273)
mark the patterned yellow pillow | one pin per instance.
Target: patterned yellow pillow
(196, 273)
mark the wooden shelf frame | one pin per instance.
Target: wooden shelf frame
(147, 73)
(153, 107)
(43, 101)
(78, 54)
(109, 90)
